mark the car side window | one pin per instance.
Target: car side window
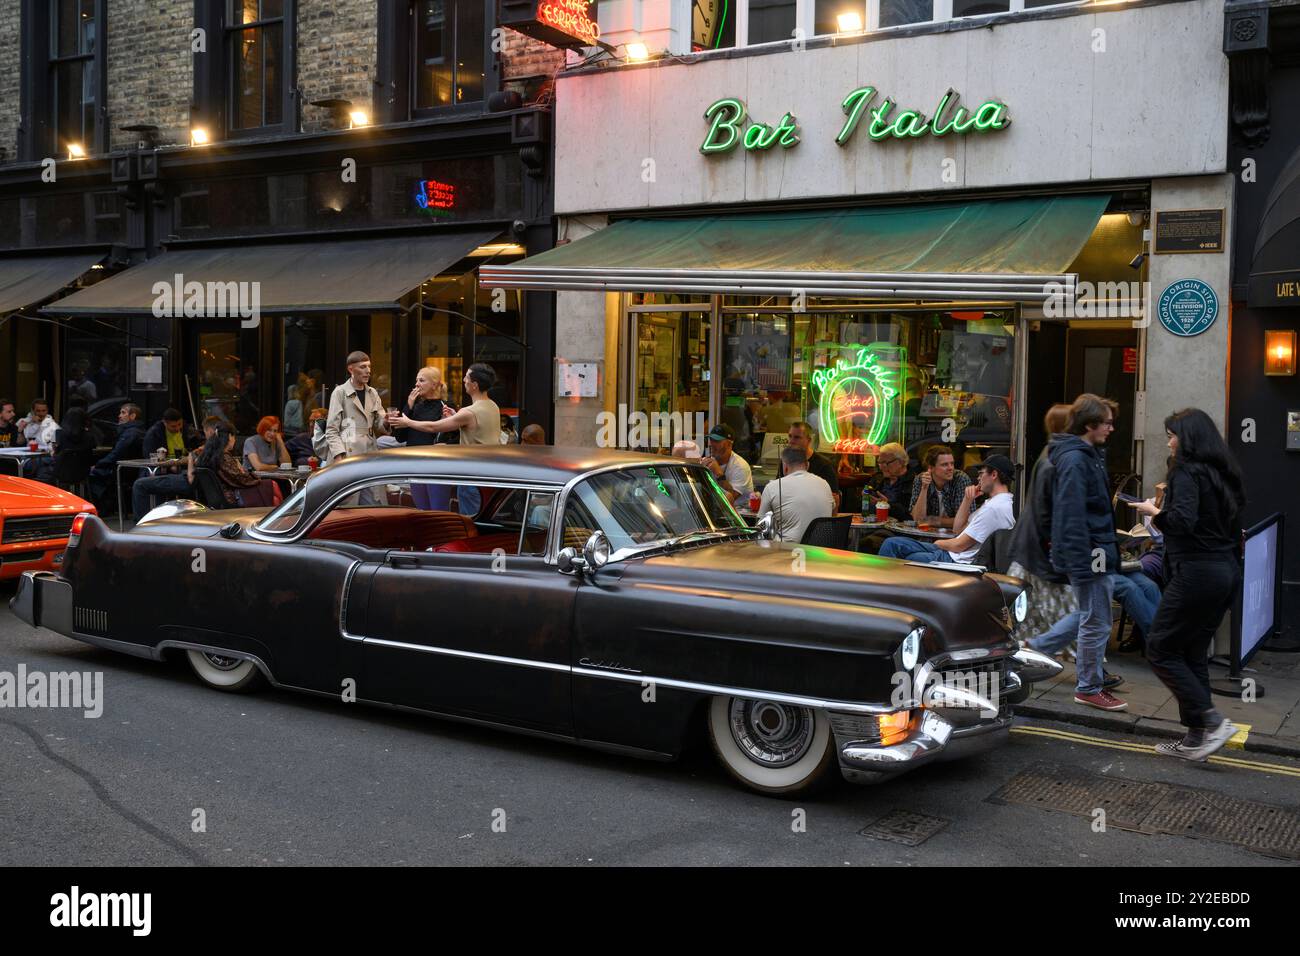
(396, 516)
(578, 524)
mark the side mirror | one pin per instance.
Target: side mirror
(230, 530)
(766, 527)
(595, 552)
(569, 561)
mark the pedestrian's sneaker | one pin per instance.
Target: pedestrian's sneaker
(1109, 680)
(1214, 740)
(1102, 700)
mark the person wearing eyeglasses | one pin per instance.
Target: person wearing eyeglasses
(893, 483)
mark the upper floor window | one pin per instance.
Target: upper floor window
(258, 68)
(434, 56)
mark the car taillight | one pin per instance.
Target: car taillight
(74, 535)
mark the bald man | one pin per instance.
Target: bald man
(533, 435)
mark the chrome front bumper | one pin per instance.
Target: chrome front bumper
(44, 599)
(952, 722)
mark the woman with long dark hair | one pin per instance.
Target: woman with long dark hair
(237, 486)
(1201, 525)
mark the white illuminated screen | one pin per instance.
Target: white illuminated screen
(1258, 581)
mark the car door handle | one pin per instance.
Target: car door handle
(404, 561)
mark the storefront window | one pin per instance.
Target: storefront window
(95, 359)
(771, 20)
(671, 375)
(861, 378)
(373, 334)
(226, 379)
(976, 8)
(443, 331)
(303, 344)
(894, 13)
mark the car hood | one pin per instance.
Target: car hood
(965, 607)
(21, 496)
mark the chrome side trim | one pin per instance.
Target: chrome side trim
(471, 655)
(795, 699)
(224, 651)
(343, 604)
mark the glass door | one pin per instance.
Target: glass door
(223, 363)
(671, 377)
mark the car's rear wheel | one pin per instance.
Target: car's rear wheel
(770, 747)
(233, 674)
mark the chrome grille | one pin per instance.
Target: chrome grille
(34, 529)
(855, 727)
(994, 668)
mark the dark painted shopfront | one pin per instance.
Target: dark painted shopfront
(1264, 397)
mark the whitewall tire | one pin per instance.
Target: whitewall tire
(224, 673)
(772, 748)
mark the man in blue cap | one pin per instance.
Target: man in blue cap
(732, 471)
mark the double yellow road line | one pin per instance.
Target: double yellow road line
(1147, 749)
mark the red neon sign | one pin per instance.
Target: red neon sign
(569, 16)
(432, 194)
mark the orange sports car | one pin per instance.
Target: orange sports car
(35, 519)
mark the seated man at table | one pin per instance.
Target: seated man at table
(995, 477)
(938, 491)
(732, 471)
(800, 436)
(170, 433)
(893, 481)
(796, 499)
(39, 426)
(9, 434)
(172, 483)
(129, 444)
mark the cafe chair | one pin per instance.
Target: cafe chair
(829, 532)
(995, 552)
(72, 471)
(207, 489)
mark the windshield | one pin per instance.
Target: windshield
(637, 507)
(286, 516)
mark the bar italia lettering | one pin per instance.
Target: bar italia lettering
(728, 116)
(569, 16)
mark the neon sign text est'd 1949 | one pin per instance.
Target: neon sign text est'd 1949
(859, 388)
(727, 118)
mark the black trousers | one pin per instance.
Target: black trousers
(1199, 592)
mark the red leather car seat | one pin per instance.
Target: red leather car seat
(394, 529)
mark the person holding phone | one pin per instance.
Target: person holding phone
(1200, 521)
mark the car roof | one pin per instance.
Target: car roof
(527, 464)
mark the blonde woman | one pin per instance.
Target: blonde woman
(425, 404)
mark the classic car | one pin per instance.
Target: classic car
(608, 598)
(35, 519)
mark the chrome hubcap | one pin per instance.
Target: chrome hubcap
(771, 734)
(222, 663)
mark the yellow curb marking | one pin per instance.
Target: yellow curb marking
(1238, 740)
(1141, 749)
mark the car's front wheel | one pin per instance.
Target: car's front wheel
(233, 674)
(771, 747)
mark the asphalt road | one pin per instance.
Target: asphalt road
(287, 778)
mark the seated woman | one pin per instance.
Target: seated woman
(74, 446)
(237, 486)
(265, 451)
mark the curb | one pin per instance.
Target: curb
(1126, 723)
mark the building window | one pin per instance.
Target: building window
(260, 35)
(73, 74)
(434, 56)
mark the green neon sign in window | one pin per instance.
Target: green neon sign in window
(862, 387)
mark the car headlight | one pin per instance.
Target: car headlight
(1021, 606)
(911, 649)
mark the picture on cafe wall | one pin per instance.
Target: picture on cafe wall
(981, 363)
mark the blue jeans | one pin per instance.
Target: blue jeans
(162, 487)
(1094, 631)
(912, 550)
(1136, 592)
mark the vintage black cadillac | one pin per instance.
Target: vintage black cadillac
(603, 597)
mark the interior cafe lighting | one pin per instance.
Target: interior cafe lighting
(198, 136)
(850, 22)
(637, 51)
(76, 151)
(1279, 352)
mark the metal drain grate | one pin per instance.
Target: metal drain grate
(1158, 808)
(905, 827)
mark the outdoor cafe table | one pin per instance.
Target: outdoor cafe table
(148, 465)
(19, 455)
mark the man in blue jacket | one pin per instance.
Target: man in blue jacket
(130, 436)
(1082, 536)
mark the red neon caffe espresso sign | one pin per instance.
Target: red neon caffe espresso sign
(570, 17)
(858, 393)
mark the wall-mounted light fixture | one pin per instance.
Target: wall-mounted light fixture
(198, 136)
(1279, 352)
(637, 51)
(359, 118)
(76, 151)
(850, 22)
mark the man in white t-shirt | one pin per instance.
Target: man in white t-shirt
(732, 471)
(796, 499)
(969, 532)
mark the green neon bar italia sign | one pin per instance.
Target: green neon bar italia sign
(729, 124)
(860, 388)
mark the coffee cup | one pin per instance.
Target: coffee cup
(304, 467)
(882, 510)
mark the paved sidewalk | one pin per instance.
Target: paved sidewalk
(1273, 719)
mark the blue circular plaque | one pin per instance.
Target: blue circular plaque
(1188, 307)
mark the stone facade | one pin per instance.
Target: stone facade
(150, 68)
(10, 107)
(523, 57)
(337, 43)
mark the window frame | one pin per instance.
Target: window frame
(395, 72)
(38, 132)
(290, 106)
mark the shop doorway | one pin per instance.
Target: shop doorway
(223, 360)
(672, 371)
(1105, 362)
